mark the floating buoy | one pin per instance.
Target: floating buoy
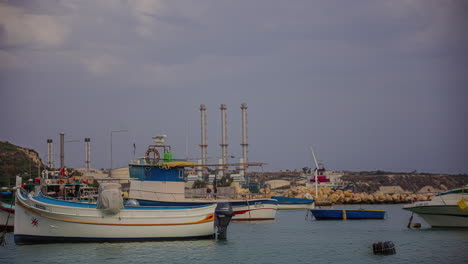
(383, 248)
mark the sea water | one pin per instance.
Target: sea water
(294, 237)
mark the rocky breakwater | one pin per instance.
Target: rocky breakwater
(328, 196)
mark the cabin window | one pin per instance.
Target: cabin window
(181, 174)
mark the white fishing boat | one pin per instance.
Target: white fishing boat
(447, 209)
(41, 219)
(160, 181)
(244, 210)
(254, 209)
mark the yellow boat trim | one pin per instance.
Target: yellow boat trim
(208, 218)
(173, 164)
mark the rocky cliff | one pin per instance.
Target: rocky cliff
(15, 160)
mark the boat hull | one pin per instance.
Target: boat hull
(295, 206)
(344, 214)
(443, 210)
(7, 216)
(38, 221)
(254, 210)
(244, 210)
(290, 203)
(441, 216)
(31, 240)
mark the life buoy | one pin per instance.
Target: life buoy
(86, 193)
(60, 181)
(154, 159)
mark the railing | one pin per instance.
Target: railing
(222, 192)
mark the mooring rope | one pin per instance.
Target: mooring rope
(5, 227)
(410, 220)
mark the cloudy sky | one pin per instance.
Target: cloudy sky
(369, 84)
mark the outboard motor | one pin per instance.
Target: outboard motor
(223, 213)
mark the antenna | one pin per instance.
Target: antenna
(315, 173)
(315, 159)
(187, 128)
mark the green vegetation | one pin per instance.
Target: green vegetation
(14, 161)
(224, 182)
(73, 172)
(199, 184)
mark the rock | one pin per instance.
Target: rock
(335, 198)
(356, 199)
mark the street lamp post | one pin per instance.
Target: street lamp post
(62, 153)
(114, 131)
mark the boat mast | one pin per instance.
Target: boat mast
(315, 172)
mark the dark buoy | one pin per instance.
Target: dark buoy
(223, 213)
(384, 248)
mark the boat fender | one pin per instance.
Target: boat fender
(462, 205)
(132, 202)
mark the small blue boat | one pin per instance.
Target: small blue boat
(7, 208)
(291, 203)
(344, 214)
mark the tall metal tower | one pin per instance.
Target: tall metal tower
(87, 154)
(50, 154)
(223, 144)
(62, 150)
(244, 144)
(203, 144)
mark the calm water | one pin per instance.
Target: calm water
(291, 238)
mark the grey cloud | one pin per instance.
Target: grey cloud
(372, 85)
